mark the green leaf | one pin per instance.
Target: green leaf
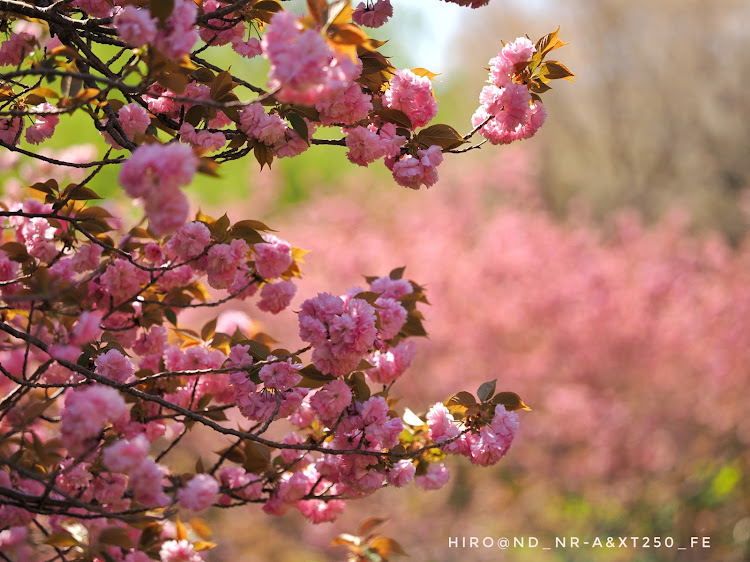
(258, 457)
(246, 232)
(221, 227)
(462, 398)
(116, 536)
(360, 387)
(510, 400)
(393, 116)
(162, 9)
(486, 390)
(556, 70)
(445, 136)
(170, 315)
(60, 539)
(299, 125)
(397, 273)
(424, 72)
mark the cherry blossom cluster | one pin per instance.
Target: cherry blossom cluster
(317, 78)
(507, 111)
(104, 368)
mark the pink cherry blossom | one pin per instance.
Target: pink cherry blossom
(14, 49)
(161, 166)
(275, 297)
(135, 26)
(302, 63)
(190, 240)
(391, 364)
(94, 8)
(331, 400)
(223, 262)
(44, 125)
(272, 257)
(349, 106)
(166, 209)
(319, 511)
(504, 64)
(228, 33)
(373, 14)
(179, 33)
(280, 375)
(415, 172)
(85, 413)
(179, 551)
(87, 257)
(437, 476)
(115, 366)
(199, 494)
(10, 129)
(401, 473)
(248, 49)
(412, 94)
(126, 455)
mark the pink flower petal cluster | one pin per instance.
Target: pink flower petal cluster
(391, 288)
(224, 261)
(391, 364)
(504, 64)
(280, 375)
(15, 48)
(412, 94)
(268, 128)
(340, 332)
(367, 144)
(10, 129)
(134, 121)
(272, 257)
(123, 280)
(275, 297)
(470, 3)
(87, 257)
(44, 125)
(155, 172)
(248, 49)
(372, 14)
(115, 366)
(437, 476)
(205, 140)
(94, 8)
(401, 473)
(190, 240)
(179, 33)
(146, 482)
(412, 172)
(505, 106)
(244, 484)
(199, 494)
(303, 66)
(86, 328)
(179, 551)
(126, 455)
(86, 412)
(349, 106)
(319, 511)
(392, 317)
(330, 401)
(135, 26)
(221, 31)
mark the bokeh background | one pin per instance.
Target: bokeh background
(601, 270)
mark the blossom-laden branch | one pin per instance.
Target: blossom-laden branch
(101, 379)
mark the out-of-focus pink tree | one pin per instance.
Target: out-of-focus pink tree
(631, 342)
(103, 375)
